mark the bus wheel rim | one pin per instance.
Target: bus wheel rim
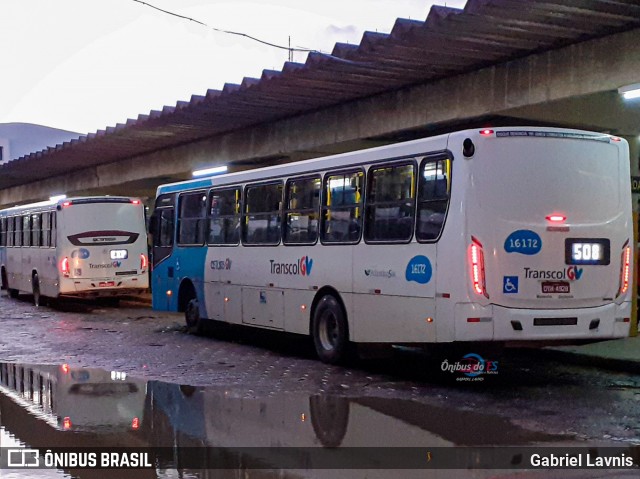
(328, 331)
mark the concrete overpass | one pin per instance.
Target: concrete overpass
(495, 62)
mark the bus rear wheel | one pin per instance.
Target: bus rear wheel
(192, 317)
(330, 331)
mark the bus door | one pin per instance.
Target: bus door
(162, 228)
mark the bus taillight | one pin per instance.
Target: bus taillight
(625, 270)
(64, 266)
(476, 261)
(144, 262)
(135, 423)
(556, 218)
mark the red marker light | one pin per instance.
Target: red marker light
(64, 266)
(615, 138)
(625, 270)
(556, 218)
(66, 423)
(65, 368)
(66, 203)
(135, 202)
(476, 262)
(135, 424)
(486, 132)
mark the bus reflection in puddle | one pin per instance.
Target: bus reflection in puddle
(193, 429)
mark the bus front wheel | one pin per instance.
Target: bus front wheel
(330, 331)
(192, 317)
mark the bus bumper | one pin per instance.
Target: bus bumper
(474, 322)
(105, 287)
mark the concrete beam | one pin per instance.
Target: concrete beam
(590, 67)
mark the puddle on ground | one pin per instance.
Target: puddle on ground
(185, 430)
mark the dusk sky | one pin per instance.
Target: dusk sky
(82, 65)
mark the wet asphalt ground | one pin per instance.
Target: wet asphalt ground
(529, 389)
(245, 387)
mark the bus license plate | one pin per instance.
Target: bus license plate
(555, 287)
(107, 284)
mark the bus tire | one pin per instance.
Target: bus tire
(330, 330)
(192, 317)
(35, 288)
(3, 279)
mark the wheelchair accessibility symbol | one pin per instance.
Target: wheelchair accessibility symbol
(510, 285)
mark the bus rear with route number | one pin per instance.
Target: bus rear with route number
(102, 246)
(549, 235)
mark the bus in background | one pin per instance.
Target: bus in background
(510, 235)
(80, 247)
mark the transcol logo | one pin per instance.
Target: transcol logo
(572, 273)
(301, 267)
(114, 264)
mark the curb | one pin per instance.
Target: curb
(612, 364)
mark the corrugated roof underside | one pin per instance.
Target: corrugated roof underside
(448, 42)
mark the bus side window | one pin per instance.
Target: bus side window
(11, 231)
(3, 231)
(261, 221)
(433, 198)
(224, 216)
(165, 228)
(36, 232)
(301, 213)
(390, 203)
(45, 239)
(26, 230)
(18, 233)
(342, 207)
(192, 218)
(162, 228)
(54, 226)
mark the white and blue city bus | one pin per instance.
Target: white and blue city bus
(509, 235)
